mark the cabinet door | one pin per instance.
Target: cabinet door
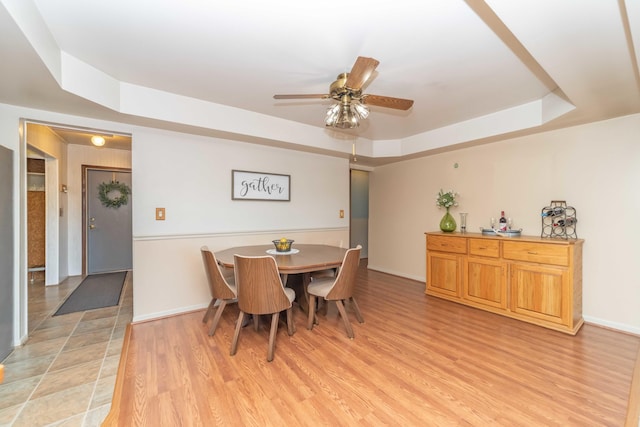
(486, 282)
(444, 274)
(541, 293)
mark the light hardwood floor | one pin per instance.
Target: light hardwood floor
(416, 361)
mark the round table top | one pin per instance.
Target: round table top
(309, 258)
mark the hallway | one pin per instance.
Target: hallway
(66, 371)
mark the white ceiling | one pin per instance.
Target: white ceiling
(477, 70)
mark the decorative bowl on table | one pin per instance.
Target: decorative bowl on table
(283, 245)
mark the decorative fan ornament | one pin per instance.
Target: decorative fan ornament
(352, 103)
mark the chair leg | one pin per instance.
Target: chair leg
(312, 311)
(216, 318)
(272, 335)
(343, 314)
(236, 334)
(291, 327)
(324, 305)
(357, 310)
(256, 321)
(209, 311)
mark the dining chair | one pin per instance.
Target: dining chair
(260, 291)
(329, 272)
(339, 289)
(222, 288)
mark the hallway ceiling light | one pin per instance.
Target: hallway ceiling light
(98, 141)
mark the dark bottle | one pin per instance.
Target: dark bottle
(568, 222)
(503, 222)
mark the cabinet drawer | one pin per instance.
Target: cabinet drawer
(542, 253)
(456, 245)
(484, 247)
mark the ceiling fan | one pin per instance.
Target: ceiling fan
(347, 90)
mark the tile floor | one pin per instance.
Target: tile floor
(65, 373)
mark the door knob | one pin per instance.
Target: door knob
(92, 226)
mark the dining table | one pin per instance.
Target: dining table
(295, 266)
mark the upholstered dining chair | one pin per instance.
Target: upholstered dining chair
(329, 272)
(260, 291)
(223, 288)
(339, 289)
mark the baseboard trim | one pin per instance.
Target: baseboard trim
(397, 273)
(169, 313)
(612, 325)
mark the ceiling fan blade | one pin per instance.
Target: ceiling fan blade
(301, 96)
(387, 102)
(361, 72)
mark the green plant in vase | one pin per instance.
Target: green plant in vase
(447, 200)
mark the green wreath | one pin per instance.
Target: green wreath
(105, 188)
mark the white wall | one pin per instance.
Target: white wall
(594, 167)
(190, 176)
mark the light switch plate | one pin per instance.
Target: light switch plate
(160, 214)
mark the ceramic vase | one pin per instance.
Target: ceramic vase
(447, 223)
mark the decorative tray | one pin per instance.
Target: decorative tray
(274, 252)
(508, 233)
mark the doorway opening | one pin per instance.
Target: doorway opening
(64, 149)
(359, 227)
(36, 217)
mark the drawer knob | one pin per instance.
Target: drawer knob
(532, 253)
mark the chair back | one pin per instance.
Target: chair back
(345, 282)
(259, 287)
(218, 285)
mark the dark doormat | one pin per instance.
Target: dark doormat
(95, 291)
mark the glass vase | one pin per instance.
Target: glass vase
(447, 223)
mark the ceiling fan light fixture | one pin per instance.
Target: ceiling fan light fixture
(361, 111)
(341, 116)
(346, 115)
(347, 89)
(348, 119)
(332, 115)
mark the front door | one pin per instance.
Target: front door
(108, 220)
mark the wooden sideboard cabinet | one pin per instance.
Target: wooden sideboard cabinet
(537, 280)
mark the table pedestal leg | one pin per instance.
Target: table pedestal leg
(299, 283)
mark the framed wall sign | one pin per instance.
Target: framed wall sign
(247, 185)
